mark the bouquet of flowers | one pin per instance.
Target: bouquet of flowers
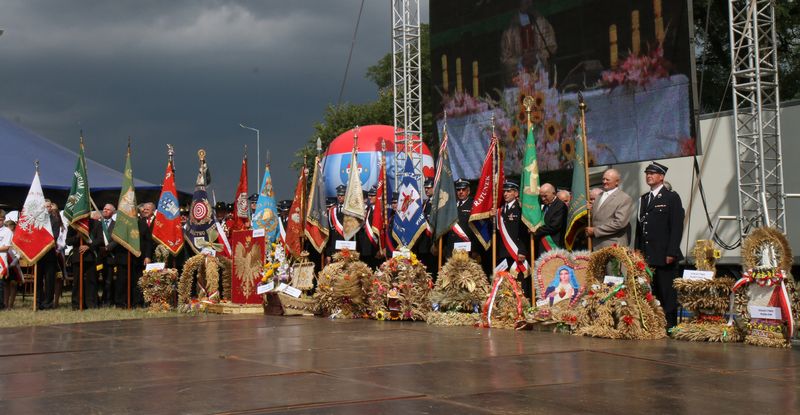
(159, 287)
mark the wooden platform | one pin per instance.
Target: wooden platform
(230, 308)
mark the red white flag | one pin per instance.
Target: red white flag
(378, 221)
(167, 228)
(241, 213)
(294, 224)
(34, 234)
(488, 196)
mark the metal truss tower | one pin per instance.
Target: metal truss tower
(756, 110)
(407, 85)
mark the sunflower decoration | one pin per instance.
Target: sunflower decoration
(538, 100)
(591, 160)
(513, 134)
(537, 116)
(568, 148)
(552, 130)
(522, 116)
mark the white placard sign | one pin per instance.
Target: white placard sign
(542, 303)
(611, 279)
(154, 266)
(464, 246)
(294, 292)
(770, 313)
(258, 232)
(265, 288)
(502, 266)
(351, 245)
(401, 254)
(690, 274)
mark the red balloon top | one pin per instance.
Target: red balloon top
(369, 139)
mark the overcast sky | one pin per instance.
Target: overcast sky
(186, 72)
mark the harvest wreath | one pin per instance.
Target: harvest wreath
(624, 311)
(206, 269)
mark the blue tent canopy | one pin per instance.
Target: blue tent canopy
(19, 148)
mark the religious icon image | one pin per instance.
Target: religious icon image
(564, 286)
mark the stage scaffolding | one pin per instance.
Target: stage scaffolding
(407, 86)
(756, 109)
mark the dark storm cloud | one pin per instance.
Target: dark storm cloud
(185, 73)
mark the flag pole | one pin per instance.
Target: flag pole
(36, 264)
(495, 172)
(528, 102)
(35, 284)
(385, 207)
(582, 107)
(302, 208)
(444, 134)
(80, 257)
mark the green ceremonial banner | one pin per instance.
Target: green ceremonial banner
(126, 226)
(78, 206)
(577, 219)
(444, 212)
(532, 214)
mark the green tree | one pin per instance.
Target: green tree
(713, 59)
(340, 118)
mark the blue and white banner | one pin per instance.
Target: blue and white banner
(409, 220)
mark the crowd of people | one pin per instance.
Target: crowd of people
(106, 264)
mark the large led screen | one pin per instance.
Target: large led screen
(631, 60)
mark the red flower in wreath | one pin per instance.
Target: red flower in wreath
(591, 293)
(628, 320)
(641, 265)
(649, 297)
(620, 294)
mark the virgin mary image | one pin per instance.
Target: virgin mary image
(564, 286)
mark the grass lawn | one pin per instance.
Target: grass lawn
(23, 314)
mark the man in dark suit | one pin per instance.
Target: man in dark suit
(424, 246)
(49, 265)
(551, 234)
(117, 256)
(461, 232)
(512, 235)
(335, 225)
(659, 228)
(367, 238)
(88, 248)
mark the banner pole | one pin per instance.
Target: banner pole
(582, 107)
(80, 272)
(129, 280)
(495, 171)
(35, 284)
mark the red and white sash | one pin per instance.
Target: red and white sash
(511, 246)
(460, 232)
(335, 221)
(373, 239)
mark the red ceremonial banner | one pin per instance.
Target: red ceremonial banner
(248, 259)
(167, 228)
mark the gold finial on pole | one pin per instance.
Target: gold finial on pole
(528, 102)
(201, 154)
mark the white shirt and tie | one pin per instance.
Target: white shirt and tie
(605, 196)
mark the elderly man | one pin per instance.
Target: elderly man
(593, 195)
(551, 234)
(565, 196)
(611, 214)
(659, 229)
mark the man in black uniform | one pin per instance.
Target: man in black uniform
(424, 246)
(367, 238)
(512, 235)
(89, 249)
(659, 228)
(461, 231)
(551, 234)
(335, 225)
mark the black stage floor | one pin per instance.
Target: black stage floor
(258, 364)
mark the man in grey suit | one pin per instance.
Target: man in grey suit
(611, 214)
